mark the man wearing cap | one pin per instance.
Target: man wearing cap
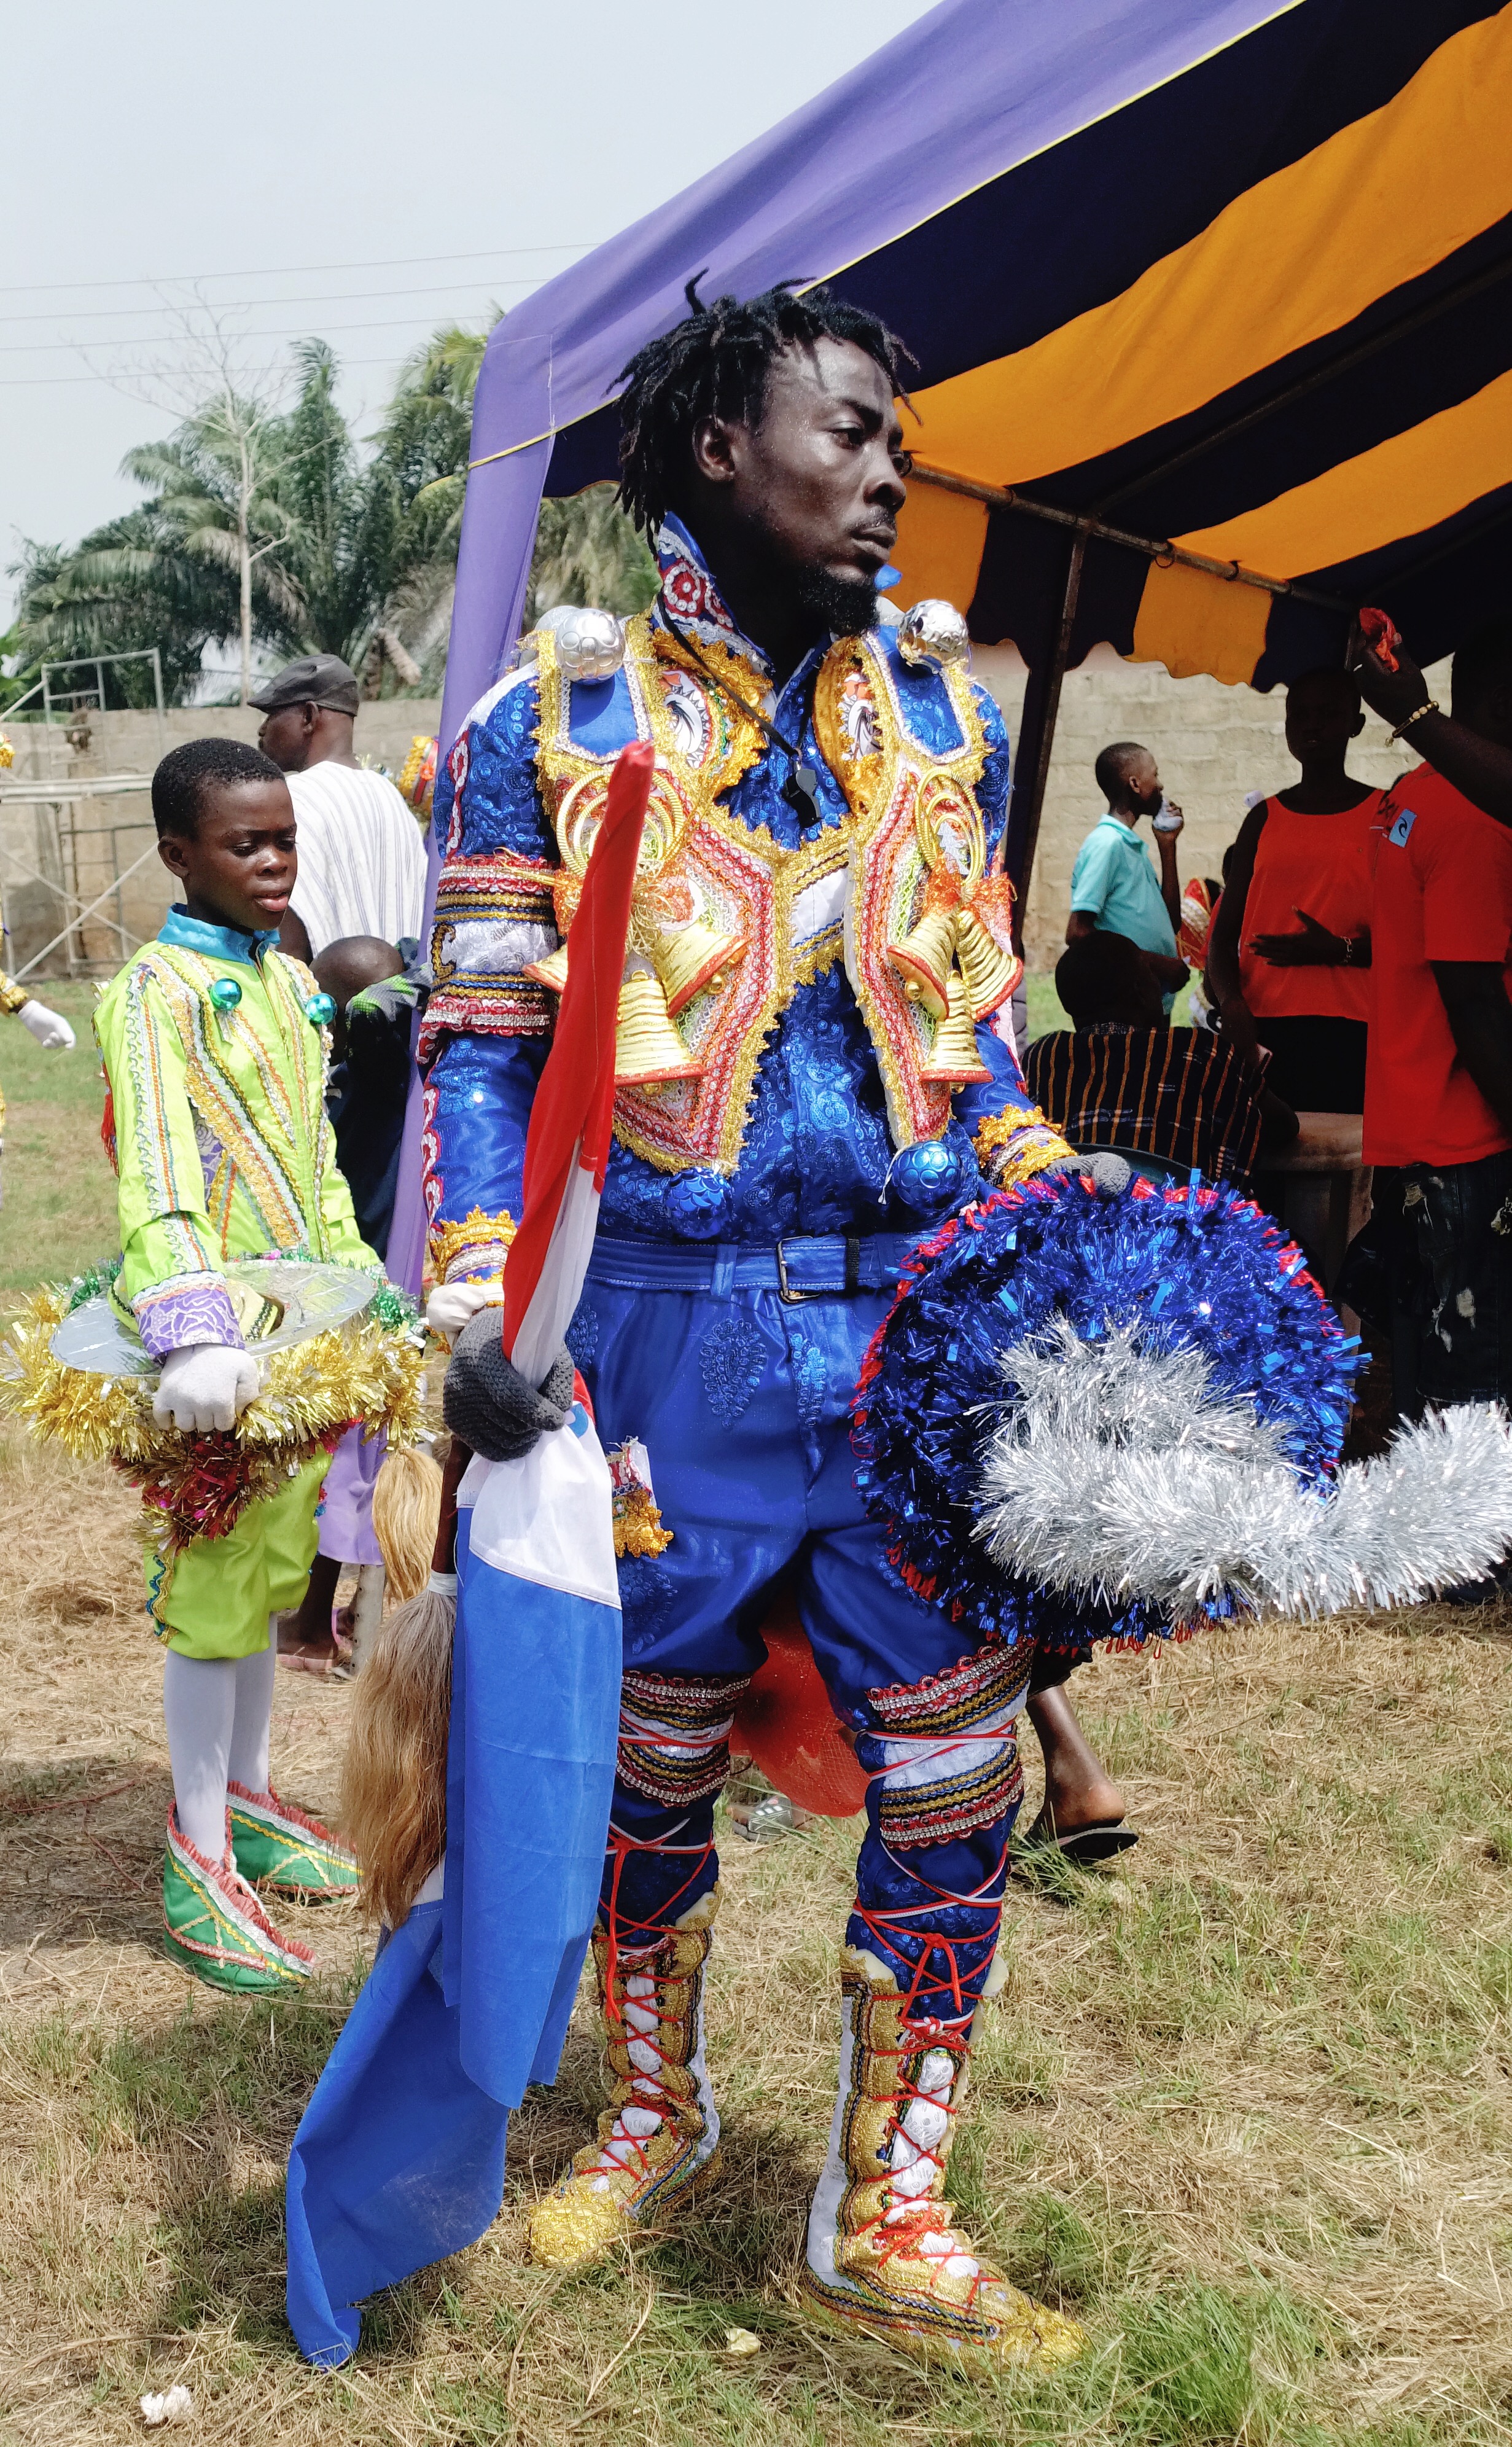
(361, 863)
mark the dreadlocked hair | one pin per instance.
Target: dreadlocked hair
(715, 363)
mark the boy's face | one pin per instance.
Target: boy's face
(240, 869)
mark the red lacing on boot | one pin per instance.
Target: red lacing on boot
(904, 2225)
(880, 1924)
(620, 1845)
(647, 2090)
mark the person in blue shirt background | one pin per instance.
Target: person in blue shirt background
(1113, 883)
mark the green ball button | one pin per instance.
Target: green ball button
(225, 993)
(320, 1010)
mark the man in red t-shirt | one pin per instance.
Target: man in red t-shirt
(1438, 1087)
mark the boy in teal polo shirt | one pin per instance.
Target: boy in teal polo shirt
(1113, 886)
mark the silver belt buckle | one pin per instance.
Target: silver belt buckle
(785, 1289)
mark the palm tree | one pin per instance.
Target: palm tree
(276, 528)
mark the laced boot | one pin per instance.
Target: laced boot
(659, 2134)
(885, 2258)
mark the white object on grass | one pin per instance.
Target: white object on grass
(177, 2405)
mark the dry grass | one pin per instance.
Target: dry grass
(1244, 2107)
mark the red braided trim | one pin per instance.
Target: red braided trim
(622, 1846)
(903, 2223)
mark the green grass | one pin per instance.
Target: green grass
(59, 1194)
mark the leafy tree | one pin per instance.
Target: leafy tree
(277, 529)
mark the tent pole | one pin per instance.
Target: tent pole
(1048, 709)
(1004, 497)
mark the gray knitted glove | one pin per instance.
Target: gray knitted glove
(488, 1404)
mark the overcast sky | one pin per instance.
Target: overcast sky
(357, 172)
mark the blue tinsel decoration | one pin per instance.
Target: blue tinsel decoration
(1200, 1266)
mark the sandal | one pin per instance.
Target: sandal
(1080, 1848)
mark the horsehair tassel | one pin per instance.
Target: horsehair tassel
(394, 1774)
(405, 1501)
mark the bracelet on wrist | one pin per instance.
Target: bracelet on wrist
(1429, 705)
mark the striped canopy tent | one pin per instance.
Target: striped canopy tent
(1212, 309)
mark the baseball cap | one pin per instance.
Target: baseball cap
(314, 679)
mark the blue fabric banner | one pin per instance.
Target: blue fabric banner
(399, 2159)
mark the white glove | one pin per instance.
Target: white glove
(49, 1028)
(203, 1386)
(451, 1305)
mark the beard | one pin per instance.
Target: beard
(847, 606)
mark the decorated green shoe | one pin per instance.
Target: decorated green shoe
(217, 1928)
(277, 1846)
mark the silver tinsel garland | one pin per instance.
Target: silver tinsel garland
(1117, 1474)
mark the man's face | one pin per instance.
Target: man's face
(1321, 719)
(1142, 785)
(239, 867)
(285, 737)
(821, 477)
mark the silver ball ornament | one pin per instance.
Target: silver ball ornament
(934, 632)
(589, 644)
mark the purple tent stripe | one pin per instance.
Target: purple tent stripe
(974, 89)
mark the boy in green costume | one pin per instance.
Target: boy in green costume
(213, 1047)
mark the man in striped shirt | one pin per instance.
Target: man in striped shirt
(362, 861)
(1119, 1077)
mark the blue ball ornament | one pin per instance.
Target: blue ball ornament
(225, 993)
(698, 1205)
(933, 1175)
(320, 1010)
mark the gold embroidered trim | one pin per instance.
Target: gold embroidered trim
(477, 1232)
(900, 791)
(13, 995)
(1025, 1142)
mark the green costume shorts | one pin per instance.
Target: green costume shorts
(217, 1598)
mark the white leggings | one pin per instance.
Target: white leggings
(218, 1711)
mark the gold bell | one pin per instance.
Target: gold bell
(989, 972)
(925, 958)
(956, 1058)
(551, 972)
(694, 958)
(647, 1046)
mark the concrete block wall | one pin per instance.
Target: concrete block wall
(108, 836)
(1213, 745)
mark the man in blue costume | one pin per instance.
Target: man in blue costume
(813, 1067)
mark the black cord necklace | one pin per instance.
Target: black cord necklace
(802, 791)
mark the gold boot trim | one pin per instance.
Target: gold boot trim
(884, 2257)
(625, 2176)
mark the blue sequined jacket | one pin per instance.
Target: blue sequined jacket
(815, 1152)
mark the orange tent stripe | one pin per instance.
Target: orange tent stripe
(938, 550)
(1294, 257)
(1402, 487)
(1191, 621)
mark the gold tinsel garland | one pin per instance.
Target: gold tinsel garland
(198, 1486)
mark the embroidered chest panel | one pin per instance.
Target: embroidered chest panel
(728, 920)
(255, 1082)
